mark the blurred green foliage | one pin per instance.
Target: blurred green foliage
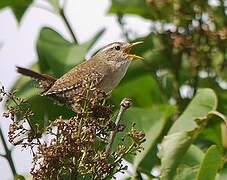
(185, 50)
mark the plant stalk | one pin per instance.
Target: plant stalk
(125, 104)
(8, 154)
(62, 13)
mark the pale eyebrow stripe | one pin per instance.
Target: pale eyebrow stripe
(109, 46)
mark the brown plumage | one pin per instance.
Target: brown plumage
(104, 70)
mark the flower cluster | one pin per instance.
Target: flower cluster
(81, 146)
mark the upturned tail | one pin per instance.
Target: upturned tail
(45, 81)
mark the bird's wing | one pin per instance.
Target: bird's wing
(75, 78)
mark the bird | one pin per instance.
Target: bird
(105, 70)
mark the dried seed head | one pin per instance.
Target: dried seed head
(126, 103)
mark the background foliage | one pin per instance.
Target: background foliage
(185, 61)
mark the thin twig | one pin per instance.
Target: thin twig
(3, 155)
(126, 152)
(8, 154)
(121, 24)
(62, 13)
(138, 175)
(125, 104)
(28, 120)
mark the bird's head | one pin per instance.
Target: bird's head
(118, 52)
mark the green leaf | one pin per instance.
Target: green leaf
(212, 133)
(55, 4)
(19, 177)
(153, 127)
(185, 172)
(18, 6)
(143, 90)
(138, 7)
(185, 130)
(152, 123)
(210, 165)
(193, 156)
(57, 55)
(152, 10)
(173, 147)
(189, 164)
(222, 175)
(202, 104)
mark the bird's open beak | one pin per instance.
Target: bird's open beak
(128, 49)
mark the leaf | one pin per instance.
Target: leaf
(189, 164)
(19, 177)
(152, 132)
(143, 90)
(193, 156)
(152, 123)
(55, 4)
(185, 172)
(185, 130)
(210, 165)
(160, 11)
(18, 6)
(173, 147)
(202, 104)
(212, 133)
(57, 55)
(138, 7)
(222, 175)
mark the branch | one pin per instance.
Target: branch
(8, 154)
(121, 24)
(62, 13)
(60, 10)
(27, 119)
(126, 152)
(125, 104)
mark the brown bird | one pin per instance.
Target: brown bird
(105, 69)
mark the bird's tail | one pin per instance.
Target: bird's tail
(45, 81)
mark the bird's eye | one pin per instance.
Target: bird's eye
(117, 48)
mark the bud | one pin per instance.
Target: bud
(126, 103)
(6, 114)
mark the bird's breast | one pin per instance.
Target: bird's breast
(112, 79)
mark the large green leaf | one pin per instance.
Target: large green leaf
(55, 4)
(189, 164)
(143, 90)
(152, 123)
(222, 175)
(138, 7)
(57, 55)
(185, 172)
(155, 10)
(173, 147)
(18, 6)
(185, 130)
(202, 104)
(210, 165)
(212, 134)
(193, 156)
